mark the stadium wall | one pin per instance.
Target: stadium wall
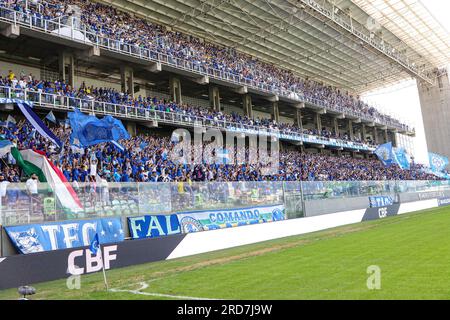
(51, 265)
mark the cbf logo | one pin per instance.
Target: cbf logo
(382, 212)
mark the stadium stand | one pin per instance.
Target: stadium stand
(145, 159)
(86, 93)
(133, 32)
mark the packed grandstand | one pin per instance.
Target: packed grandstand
(130, 31)
(148, 163)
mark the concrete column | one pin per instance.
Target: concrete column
(435, 105)
(298, 119)
(175, 89)
(375, 135)
(336, 126)
(127, 80)
(11, 31)
(66, 62)
(394, 139)
(386, 136)
(363, 131)
(350, 129)
(214, 98)
(275, 112)
(318, 121)
(247, 105)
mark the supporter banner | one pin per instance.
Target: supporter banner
(442, 202)
(308, 138)
(153, 226)
(437, 162)
(62, 235)
(381, 212)
(381, 201)
(218, 219)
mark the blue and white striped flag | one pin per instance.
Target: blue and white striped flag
(118, 146)
(5, 147)
(38, 124)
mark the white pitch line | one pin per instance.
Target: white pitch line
(145, 285)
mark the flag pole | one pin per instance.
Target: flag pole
(103, 267)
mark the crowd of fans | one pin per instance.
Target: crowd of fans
(21, 82)
(147, 159)
(129, 31)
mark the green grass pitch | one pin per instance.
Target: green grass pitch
(412, 252)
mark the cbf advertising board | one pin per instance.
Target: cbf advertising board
(219, 219)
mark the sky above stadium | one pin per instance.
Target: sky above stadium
(402, 100)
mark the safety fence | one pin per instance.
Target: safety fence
(181, 118)
(23, 205)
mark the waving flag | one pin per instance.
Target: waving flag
(5, 147)
(222, 156)
(37, 123)
(10, 119)
(118, 146)
(386, 154)
(402, 159)
(437, 162)
(51, 117)
(88, 130)
(35, 162)
(95, 244)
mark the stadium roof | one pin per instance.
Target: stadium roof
(357, 45)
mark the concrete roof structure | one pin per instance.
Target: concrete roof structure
(358, 45)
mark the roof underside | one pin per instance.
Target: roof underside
(292, 35)
(413, 24)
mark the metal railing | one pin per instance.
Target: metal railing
(106, 199)
(66, 28)
(67, 103)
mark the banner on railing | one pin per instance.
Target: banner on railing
(444, 201)
(381, 201)
(153, 226)
(218, 219)
(63, 235)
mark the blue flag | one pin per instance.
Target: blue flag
(51, 117)
(143, 145)
(437, 162)
(402, 159)
(386, 154)
(88, 130)
(95, 244)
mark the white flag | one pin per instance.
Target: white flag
(11, 119)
